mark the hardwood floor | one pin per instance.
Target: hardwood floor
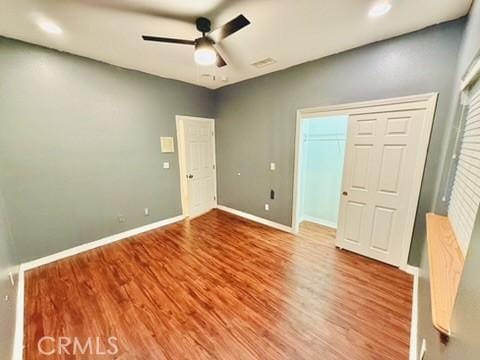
(221, 287)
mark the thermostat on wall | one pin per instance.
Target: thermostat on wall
(167, 144)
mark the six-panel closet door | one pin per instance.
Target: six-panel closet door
(381, 158)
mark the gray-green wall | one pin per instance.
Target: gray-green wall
(8, 263)
(80, 139)
(80, 145)
(256, 118)
(464, 343)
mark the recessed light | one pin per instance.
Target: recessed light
(49, 26)
(380, 9)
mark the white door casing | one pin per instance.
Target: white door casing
(386, 150)
(198, 171)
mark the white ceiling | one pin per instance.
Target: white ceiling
(290, 31)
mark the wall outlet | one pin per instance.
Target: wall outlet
(12, 280)
(121, 218)
(267, 207)
(166, 165)
(423, 350)
(6, 298)
(146, 212)
(272, 166)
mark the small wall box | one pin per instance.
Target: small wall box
(166, 144)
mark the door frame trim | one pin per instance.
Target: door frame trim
(426, 102)
(182, 160)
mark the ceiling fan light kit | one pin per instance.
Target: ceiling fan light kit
(205, 53)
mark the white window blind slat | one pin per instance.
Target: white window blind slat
(459, 223)
(465, 196)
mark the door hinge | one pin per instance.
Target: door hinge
(214, 198)
(214, 167)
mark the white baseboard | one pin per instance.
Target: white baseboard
(318, 221)
(414, 324)
(18, 339)
(92, 245)
(256, 218)
(409, 269)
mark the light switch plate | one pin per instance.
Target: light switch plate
(166, 144)
(272, 166)
(166, 165)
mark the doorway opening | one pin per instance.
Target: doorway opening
(321, 169)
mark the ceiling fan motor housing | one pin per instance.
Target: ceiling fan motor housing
(203, 42)
(203, 25)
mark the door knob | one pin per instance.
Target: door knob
(190, 176)
(345, 193)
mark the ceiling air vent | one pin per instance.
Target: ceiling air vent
(263, 63)
(208, 76)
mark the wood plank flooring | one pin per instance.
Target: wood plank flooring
(221, 287)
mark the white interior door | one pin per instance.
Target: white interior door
(199, 165)
(384, 155)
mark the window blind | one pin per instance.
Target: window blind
(465, 196)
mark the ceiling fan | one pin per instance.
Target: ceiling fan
(205, 53)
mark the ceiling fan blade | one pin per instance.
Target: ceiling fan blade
(229, 28)
(220, 61)
(168, 40)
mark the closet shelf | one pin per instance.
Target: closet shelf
(446, 265)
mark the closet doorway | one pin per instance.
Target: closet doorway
(321, 169)
(385, 149)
